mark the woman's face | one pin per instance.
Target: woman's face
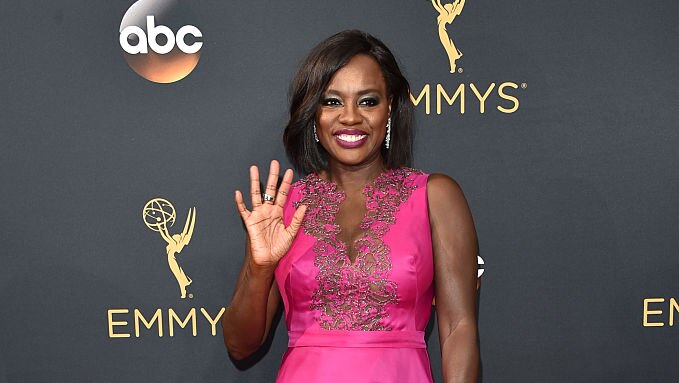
(352, 117)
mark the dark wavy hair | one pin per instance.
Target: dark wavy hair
(313, 77)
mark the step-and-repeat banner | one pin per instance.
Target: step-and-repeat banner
(126, 126)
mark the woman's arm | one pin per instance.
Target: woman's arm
(455, 278)
(247, 320)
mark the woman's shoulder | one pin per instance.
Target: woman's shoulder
(408, 175)
(440, 182)
(444, 193)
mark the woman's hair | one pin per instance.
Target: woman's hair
(313, 77)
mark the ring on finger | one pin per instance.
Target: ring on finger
(268, 198)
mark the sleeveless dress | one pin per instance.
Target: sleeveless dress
(362, 321)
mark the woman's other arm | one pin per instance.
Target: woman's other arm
(455, 278)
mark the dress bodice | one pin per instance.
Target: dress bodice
(380, 300)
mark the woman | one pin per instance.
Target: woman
(355, 248)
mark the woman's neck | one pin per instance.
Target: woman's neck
(353, 177)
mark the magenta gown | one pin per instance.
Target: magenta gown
(362, 321)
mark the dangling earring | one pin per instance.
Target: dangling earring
(315, 134)
(388, 138)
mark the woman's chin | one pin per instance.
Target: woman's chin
(354, 157)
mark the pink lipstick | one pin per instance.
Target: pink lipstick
(350, 138)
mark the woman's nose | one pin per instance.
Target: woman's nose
(350, 115)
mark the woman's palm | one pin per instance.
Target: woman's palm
(269, 238)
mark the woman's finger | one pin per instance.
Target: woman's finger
(272, 181)
(240, 205)
(255, 193)
(282, 194)
(296, 222)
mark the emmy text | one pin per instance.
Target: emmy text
(495, 95)
(656, 311)
(121, 323)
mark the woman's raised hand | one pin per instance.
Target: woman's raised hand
(270, 239)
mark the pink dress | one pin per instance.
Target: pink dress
(362, 321)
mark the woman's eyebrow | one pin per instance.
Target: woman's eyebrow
(360, 92)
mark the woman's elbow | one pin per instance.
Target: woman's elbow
(239, 351)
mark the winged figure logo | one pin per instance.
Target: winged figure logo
(447, 14)
(158, 214)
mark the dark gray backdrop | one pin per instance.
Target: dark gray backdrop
(575, 195)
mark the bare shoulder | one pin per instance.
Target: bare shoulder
(443, 192)
(452, 229)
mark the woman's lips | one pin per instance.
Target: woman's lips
(350, 138)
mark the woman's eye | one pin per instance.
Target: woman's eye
(369, 101)
(330, 101)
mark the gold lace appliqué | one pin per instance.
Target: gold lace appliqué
(354, 296)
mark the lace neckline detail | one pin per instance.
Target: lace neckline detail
(354, 296)
(314, 177)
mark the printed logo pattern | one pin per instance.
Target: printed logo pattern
(153, 49)
(158, 214)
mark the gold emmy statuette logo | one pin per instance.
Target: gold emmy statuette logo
(158, 215)
(447, 14)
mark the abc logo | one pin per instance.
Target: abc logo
(153, 32)
(158, 41)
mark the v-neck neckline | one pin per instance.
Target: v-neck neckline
(341, 198)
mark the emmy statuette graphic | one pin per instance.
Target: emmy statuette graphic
(158, 214)
(447, 14)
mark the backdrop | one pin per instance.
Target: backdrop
(559, 122)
